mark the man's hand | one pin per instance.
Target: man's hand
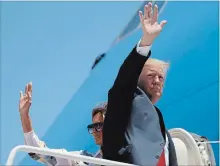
(150, 27)
(25, 99)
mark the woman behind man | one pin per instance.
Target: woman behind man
(32, 139)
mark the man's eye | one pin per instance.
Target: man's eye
(160, 77)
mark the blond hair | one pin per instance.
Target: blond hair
(164, 65)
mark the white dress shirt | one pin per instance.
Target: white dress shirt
(32, 139)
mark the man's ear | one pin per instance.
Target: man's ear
(141, 82)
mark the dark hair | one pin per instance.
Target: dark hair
(100, 108)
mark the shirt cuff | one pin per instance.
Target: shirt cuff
(28, 135)
(143, 50)
(31, 138)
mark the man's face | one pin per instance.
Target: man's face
(97, 121)
(153, 81)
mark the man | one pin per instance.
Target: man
(32, 139)
(134, 131)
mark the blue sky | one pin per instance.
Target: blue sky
(52, 44)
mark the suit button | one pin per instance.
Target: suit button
(157, 157)
(145, 116)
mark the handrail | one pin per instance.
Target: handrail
(64, 155)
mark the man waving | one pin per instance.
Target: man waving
(134, 130)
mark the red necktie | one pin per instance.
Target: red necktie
(162, 161)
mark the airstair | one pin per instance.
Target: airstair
(191, 149)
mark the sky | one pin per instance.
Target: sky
(52, 44)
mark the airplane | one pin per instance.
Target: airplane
(190, 101)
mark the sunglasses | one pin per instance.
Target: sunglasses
(97, 126)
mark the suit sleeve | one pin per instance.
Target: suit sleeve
(120, 98)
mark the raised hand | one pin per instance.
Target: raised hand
(25, 99)
(150, 26)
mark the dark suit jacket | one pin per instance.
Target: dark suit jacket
(120, 98)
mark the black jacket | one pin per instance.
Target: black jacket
(120, 98)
